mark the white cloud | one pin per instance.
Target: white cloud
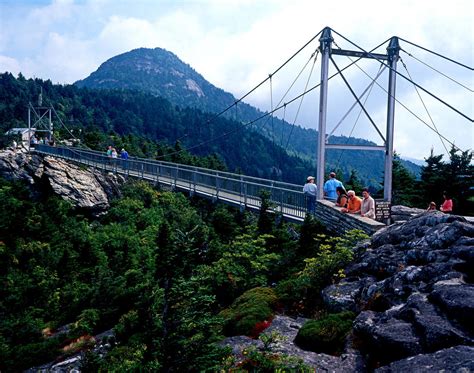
(9, 64)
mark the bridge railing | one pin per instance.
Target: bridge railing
(234, 188)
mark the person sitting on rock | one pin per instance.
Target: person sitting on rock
(431, 206)
(447, 205)
(353, 204)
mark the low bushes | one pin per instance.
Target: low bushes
(326, 335)
(249, 312)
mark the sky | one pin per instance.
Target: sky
(237, 44)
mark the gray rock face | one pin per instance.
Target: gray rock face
(82, 187)
(413, 287)
(403, 213)
(454, 359)
(17, 165)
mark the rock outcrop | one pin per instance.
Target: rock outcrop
(102, 343)
(86, 189)
(403, 213)
(413, 286)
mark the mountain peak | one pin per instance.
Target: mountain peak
(154, 70)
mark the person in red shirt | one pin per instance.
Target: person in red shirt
(447, 205)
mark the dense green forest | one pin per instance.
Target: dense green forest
(171, 277)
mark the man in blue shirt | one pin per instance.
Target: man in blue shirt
(124, 157)
(330, 187)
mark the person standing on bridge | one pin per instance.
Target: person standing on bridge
(124, 157)
(310, 191)
(330, 187)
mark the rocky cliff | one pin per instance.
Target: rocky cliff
(86, 189)
(412, 288)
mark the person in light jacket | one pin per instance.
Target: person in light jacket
(367, 208)
(310, 191)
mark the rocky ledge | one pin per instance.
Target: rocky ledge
(413, 288)
(86, 189)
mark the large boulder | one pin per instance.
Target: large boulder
(404, 213)
(85, 188)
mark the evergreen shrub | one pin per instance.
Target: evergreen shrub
(327, 334)
(248, 311)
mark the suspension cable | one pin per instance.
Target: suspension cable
(295, 80)
(286, 93)
(265, 80)
(64, 126)
(381, 69)
(272, 117)
(404, 77)
(368, 88)
(439, 72)
(280, 157)
(426, 109)
(301, 101)
(412, 113)
(437, 54)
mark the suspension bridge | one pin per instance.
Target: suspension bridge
(288, 199)
(237, 190)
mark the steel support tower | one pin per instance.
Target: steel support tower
(391, 57)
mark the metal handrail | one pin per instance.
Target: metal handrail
(240, 189)
(95, 153)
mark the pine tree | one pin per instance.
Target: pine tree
(459, 177)
(403, 184)
(354, 183)
(432, 179)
